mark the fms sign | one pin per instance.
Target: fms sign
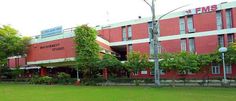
(51, 32)
(200, 10)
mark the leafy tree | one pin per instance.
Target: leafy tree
(137, 61)
(230, 55)
(111, 63)
(11, 44)
(87, 50)
(183, 63)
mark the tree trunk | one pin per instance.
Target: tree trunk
(173, 79)
(0, 74)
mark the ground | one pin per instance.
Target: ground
(26, 92)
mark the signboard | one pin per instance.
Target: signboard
(200, 10)
(51, 32)
(54, 47)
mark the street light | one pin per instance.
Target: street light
(223, 50)
(155, 37)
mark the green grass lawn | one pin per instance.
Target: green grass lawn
(24, 92)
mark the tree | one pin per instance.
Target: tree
(87, 50)
(137, 61)
(111, 63)
(11, 44)
(230, 55)
(183, 63)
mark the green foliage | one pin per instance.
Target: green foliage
(15, 73)
(169, 61)
(109, 61)
(87, 50)
(184, 61)
(205, 59)
(41, 80)
(188, 62)
(137, 61)
(230, 55)
(63, 78)
(11, 44)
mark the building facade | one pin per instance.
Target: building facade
(201, 30)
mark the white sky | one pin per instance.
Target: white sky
(29, 17)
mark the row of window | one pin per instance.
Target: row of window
(219, 22)
(215, 69)
(191, 43)
(190, 25)
(219, 19)
(124, 31)
(221, 41)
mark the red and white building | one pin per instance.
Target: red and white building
(201, 30)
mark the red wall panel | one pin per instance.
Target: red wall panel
(140, 31)
(105, 34)
(116, 34)
(16, 62)
(171, 46)
(142, 48)
(206, 44)
(169, 27)
(63, 48)
(205, 22)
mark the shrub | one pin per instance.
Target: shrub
(46, 80)
(63, 78)
(35, 80)
(92, 82)
(41, 80)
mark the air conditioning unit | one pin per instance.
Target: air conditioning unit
(192, 30)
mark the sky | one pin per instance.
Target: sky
(29, 17)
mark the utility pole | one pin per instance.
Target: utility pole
(156, 34)
(156, 43)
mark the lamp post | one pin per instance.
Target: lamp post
(222, 50)
(156, 34)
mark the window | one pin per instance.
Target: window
(183, 44)
(185, 72)
(230, 38)
(129, 32)
(221, 40)
(191, 45)
(150, 30)
(215, 68)
(228, 18)
(190, 24)
(144, 72)
(130, 47)
(228, 69)
(162, 72)
(123, 33)
(219, 20)
(182, 25)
